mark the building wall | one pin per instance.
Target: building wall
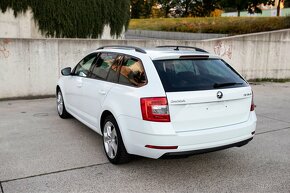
(31, 67)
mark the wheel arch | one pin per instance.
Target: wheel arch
(57, 89)
(105, 114)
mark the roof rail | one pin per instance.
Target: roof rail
(137, 49)
(177, 48)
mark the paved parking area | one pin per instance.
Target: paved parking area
(40, 152)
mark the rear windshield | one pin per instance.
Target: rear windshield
(197, 74)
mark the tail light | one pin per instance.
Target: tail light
(155, 109)
(252, 103)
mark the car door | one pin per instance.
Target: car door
(74, 83)
(96, 87)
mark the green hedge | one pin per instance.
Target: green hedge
(74, 18)
(223, 25)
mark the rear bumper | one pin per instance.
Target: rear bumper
(138, 133)
(200, 151)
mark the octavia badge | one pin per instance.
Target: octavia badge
(219, 95)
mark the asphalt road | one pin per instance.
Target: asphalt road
(39, 152)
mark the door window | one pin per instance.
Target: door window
(83, 67)
(103, 65)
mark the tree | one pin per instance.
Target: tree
(206, 7)
(136, 8)
(199, 8)
(239, 5)
(252, 6)
(141, 8)
(278, 8)
(166, 5)
(147, 8)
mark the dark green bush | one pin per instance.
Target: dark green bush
(74, 18)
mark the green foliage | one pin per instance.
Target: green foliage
(167, 5)
(223, 25)
(74, 18)
(185, 8)
(250, 5)
(141, 8)
(204, 8)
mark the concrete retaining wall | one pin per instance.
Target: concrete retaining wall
(148, 34)
(30, 67)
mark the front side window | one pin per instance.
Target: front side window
(132, 72)
(197, 74)
(83, 67)
(103, 65)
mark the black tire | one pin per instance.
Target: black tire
(120, 155)
(61, 110)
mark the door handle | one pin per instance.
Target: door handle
(102, 92)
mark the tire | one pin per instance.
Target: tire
(61, 110)
(113, 143)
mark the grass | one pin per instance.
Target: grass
(222, 25)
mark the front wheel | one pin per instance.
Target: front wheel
(113, 143)
(61, 110)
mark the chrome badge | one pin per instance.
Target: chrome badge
(219, 95)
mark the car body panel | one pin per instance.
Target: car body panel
(197, 110)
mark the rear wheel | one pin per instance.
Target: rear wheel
(61, 110)
(113, 143)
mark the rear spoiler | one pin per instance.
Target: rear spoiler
(194, 57)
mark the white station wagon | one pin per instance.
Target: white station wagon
(166, 101)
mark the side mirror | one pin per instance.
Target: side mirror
(66, 71)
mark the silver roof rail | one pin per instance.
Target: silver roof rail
(177, 48)
(137, 49)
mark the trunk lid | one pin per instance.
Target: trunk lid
(199, 110)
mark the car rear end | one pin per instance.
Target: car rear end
(206, 106)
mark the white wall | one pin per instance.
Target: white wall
(30, 67)
(23, 26)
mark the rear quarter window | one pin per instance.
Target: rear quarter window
(197, 74)
(132, 72)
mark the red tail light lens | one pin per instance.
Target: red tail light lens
(155, 109)
(252, 103)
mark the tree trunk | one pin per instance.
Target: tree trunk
(239, 13)
(278, 8)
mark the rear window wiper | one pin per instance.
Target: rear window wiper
(219, 85)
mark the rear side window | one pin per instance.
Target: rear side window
(113, 73)
(132, 72)
(103, 65)
(197, 74)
